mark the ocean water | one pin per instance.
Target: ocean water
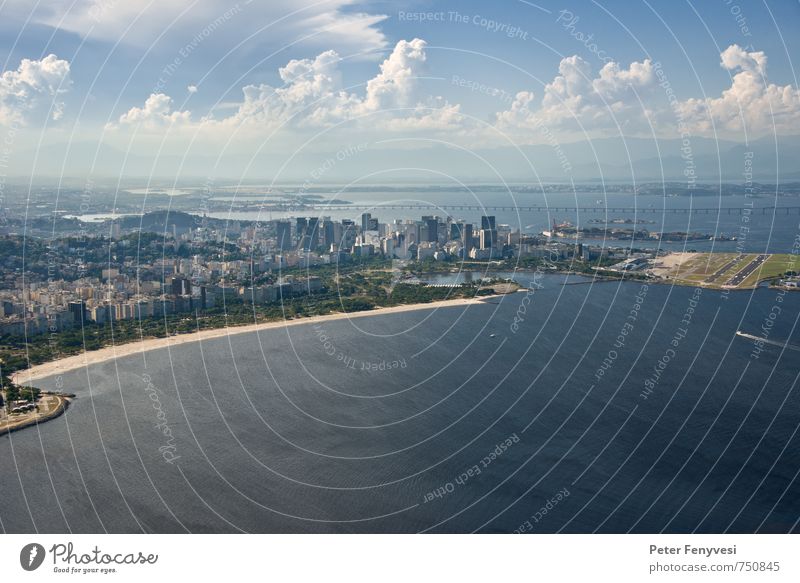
(533, 413)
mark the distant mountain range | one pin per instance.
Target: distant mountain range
(611, 159)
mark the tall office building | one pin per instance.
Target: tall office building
(365, 219)
(312, 234)
(466, 238)
(348, 240)
(78, 311)
(181, 286)
(328, 233)
(432, 224)
(488, 238)
(283, 230)
(300, 231)
(488, 232)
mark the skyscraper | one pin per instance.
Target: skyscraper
(466, 238)
(78, 311)
(432, 224)
(488, 232)
(180, 286)
(284, 234)
(312, 234)
(348, 234)
(487, 238)
(300, 231)
(328, 233)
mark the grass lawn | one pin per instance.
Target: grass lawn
(775, 266)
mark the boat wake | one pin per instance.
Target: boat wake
(767, 341)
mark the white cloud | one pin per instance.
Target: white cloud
(192, 89)
(34, 90)
(519, 114)
(156, 113)
(616, 99)
(437, 116)
(628, 100)
(735, 57)
(312, 96)
(751, 100)
(575, 100)
(176, 22)
(395, 84)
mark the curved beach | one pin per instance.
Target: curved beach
(84, 359)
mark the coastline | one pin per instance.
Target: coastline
(84, 359)
(57, 411)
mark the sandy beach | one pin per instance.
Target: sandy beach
(26, 377)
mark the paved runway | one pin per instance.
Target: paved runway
(747, 270)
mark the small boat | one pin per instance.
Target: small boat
(492, 335)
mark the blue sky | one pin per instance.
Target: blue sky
(483, 73)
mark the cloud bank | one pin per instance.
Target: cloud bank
(615, 100)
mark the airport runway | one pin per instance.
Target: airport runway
(747, 270)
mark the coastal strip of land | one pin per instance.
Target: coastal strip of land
(49, 406)
(721, 270)
(84, 359)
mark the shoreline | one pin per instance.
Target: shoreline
(84, 359)
(58, 411)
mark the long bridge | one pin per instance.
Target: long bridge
(765, 210)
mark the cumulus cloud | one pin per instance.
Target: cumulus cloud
(312, 96)
(34, 90)
(735, 57)
(394, 85)
(520, 113)
(750, 103)
(437, 115)
(628, 100)
(613, 99)
(156, 113)
(577, 99)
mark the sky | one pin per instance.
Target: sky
(286, 84)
